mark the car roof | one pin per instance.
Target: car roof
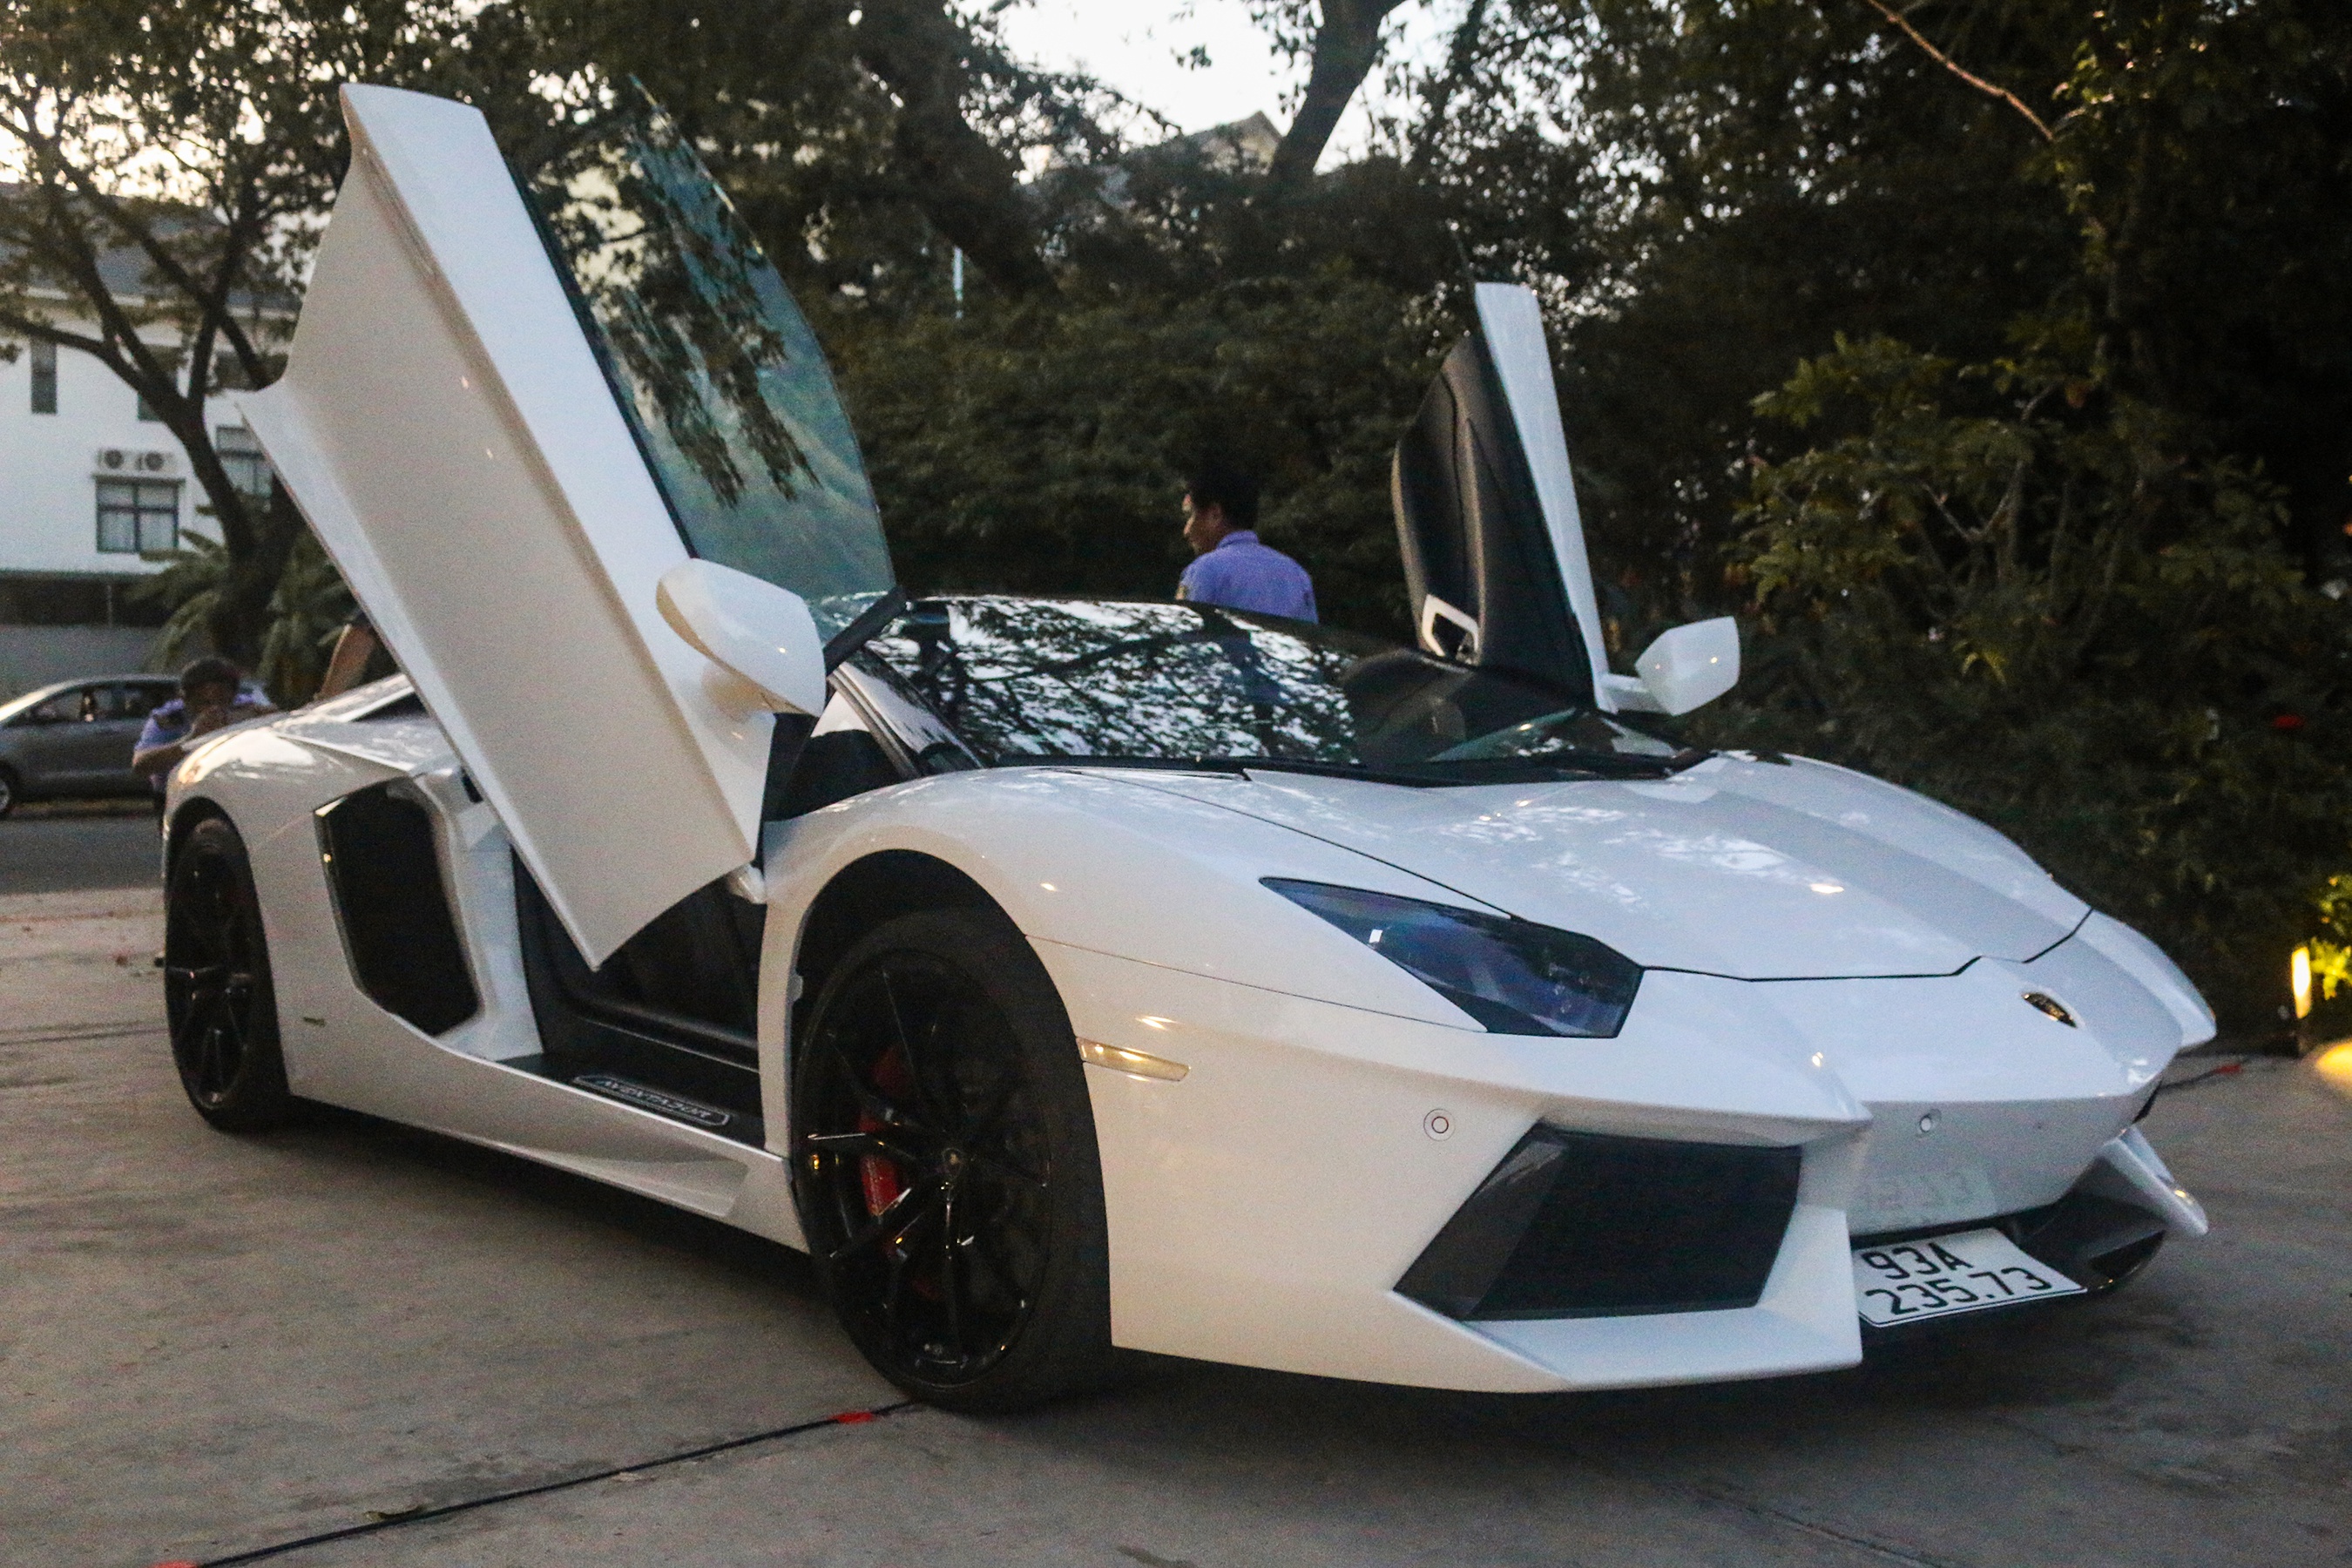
(39, 695)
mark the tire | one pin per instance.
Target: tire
(11, 790)
(946, 1168)
(217, 993)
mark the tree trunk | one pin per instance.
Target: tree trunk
(239, 622)
(1346, 46)
(965, 185)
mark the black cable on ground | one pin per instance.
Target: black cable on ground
(418, 1516)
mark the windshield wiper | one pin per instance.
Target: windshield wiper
(1573, 760)
(1438, 776)
(1238, 767)
(868, 626)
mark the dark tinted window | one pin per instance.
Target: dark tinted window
(713, 364)
(62, 709)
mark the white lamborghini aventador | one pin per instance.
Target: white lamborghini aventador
(1063, 974)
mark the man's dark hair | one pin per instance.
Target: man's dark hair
(210, 670)
(1222, 482)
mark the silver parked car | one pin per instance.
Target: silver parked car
(76, 738)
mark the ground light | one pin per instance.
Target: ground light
(2299, 976)
(2335, 1064)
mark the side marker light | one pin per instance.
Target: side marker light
(1135, 1063)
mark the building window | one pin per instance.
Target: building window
(45, 378)
(240, 454)
(138, 517)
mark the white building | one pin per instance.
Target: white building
(93, 497)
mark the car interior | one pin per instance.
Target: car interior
(669, 1021)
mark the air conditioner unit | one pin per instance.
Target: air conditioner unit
(132, 463)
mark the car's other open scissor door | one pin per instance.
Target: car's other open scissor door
(509, 407)
(1485, 509)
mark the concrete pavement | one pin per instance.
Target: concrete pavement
(210, 1346)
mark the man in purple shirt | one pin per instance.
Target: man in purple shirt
(1230, 568)
(212, 694)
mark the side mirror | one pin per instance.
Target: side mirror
(1686, 668)
(761, 636)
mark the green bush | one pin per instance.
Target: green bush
(2029, 596)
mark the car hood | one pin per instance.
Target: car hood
(1738, 868)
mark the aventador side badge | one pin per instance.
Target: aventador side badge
(677, 1107)
(2041, 1001)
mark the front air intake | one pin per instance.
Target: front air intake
(1582, 1225)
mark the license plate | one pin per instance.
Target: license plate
(1910, 1281)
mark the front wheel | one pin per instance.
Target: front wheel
(217, 989)
(946, 1167)
(10, 791)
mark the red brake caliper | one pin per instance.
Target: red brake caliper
(880, 1175)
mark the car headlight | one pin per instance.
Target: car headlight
(1512, 976)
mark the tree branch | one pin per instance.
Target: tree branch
(212, 303)
(42, 331)
(964, 185)
(123, 351)
(1346, 47)
(1953, 66)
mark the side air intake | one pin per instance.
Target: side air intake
(393, 909)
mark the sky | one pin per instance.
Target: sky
(1136, 46)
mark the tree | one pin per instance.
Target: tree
(864, 142)
(1342, 44)
(1705, 195)
(2126, 221)
(2041, 599)
(2201, 149)
(176, 163)
(1041, 447)
(919, 49)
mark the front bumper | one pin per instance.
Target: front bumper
(2102, 1232)
(1269, 1208)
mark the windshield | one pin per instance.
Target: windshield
(1029, 680)
(713, 364)
(31, 700)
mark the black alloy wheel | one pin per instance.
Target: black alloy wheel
(11, 792)
(217, 991)
(946, 1167)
